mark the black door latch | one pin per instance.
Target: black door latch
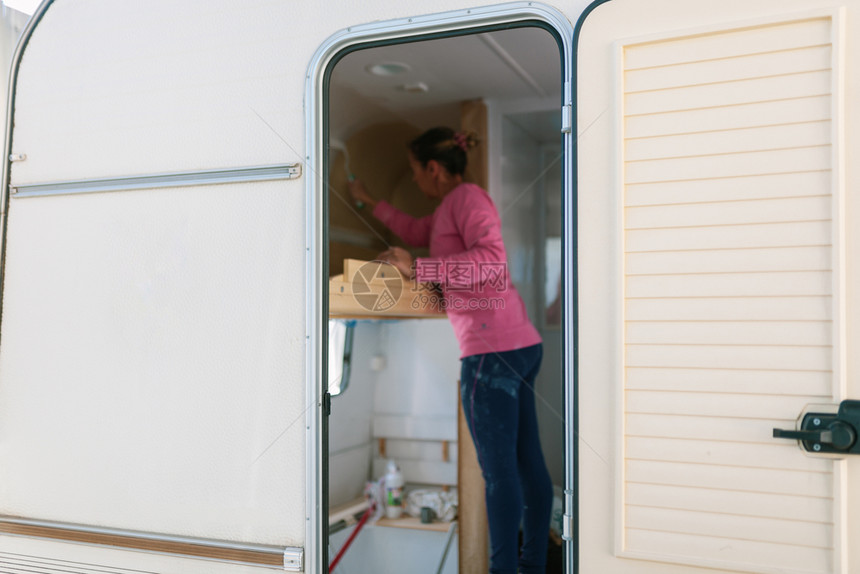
(828, 432)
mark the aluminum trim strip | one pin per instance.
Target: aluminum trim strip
(178, 179)
(290, 558)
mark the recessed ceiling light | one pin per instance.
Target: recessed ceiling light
(388, 69)
(415, 88)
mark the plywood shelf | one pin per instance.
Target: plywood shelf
(414, 523)
(375, 290)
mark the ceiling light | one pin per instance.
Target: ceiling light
(415, 88)
(388, 69)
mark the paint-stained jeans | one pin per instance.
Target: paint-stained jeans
(497, 390)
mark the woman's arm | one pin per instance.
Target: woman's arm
(414, 231)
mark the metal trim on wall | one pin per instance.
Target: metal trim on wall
(290, 559)
(177, 179)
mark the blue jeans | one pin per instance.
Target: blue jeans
(497, 390)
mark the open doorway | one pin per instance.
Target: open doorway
(401, 400)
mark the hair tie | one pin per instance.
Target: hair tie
(461, 139)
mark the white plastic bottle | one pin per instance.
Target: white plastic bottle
(393, 491)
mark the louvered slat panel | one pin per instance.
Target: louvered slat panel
(728, 286)
(716, 477)
(791, 61)
(815, 258)
(759, 138)
(738, 188)
(728, 380)
(809, 109)
(730, 309)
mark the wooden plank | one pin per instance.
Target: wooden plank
(731, 527)
(764, 409)
(414, 427)
(374, 272)
(737, 357)
(802, 85)
(730, 333)
(412, 523)
(803, 59)
(425, 450)
(729, 44)
(775, 455)
(472, 510)
(776, 481)
(802, 184)
(731, 554)
(809, 109)
(729, 213)
(730, 309)
(796, 383)
(756, 236)
(729, 141)
(771, 284)
(730, 165)
(409, 303)
(816, 258)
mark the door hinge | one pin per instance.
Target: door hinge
(567, 527)
(567, 119)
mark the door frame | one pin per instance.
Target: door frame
(434, 26)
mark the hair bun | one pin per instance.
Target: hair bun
(466, 140)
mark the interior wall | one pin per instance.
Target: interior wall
(350, 444)
(416, 398)
(528, 197)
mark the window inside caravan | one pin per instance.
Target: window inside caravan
(403, 397)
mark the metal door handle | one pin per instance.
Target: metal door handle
(828, 432)
(824, 436)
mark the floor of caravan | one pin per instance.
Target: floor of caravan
(381, 547)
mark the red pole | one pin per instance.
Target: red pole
(352, 536)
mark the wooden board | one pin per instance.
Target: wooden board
(376, 290)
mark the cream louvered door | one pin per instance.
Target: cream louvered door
(718, 164)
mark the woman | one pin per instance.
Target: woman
(500, 349)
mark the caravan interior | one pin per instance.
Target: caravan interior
(395, 382)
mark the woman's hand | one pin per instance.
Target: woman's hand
(359, 194)
(400, 258)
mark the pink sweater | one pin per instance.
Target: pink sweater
(468, 259)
